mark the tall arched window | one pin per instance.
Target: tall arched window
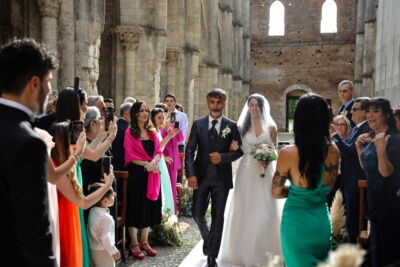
(329, 17)
(276, 19)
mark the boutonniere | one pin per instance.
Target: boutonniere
(344, 113)
(226, 131)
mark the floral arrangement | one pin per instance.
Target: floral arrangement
(346, 255)
(263, 153)
(168, 232)
(339, 232)
(186, 202)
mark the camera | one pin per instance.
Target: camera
(76, 128)
(108, 117)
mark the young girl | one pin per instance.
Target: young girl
(101, 230)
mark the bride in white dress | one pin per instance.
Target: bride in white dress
(251, 234)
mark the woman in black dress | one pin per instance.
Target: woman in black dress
(142, 153)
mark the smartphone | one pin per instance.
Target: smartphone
(54, 93)
(106, 164)
(108, 117)
(176, 124)
(172, 118)
(76, 129)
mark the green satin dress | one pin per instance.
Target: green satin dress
(85, 244)
(306, 226)
(166, 189)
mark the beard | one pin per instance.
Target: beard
(42, 100)
(216, 113)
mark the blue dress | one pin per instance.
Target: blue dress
(306, 227)
(383, 194)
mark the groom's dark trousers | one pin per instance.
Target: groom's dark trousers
(214, 180)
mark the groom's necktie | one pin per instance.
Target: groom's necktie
(212, 135)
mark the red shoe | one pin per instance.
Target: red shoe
(136, 254)
(149, 251)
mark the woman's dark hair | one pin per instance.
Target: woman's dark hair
(247, 121)
(68, 105)
(135, 130)
(163, 106)
(311, 136)
(153, 115)
(384, 105)
(96, 186)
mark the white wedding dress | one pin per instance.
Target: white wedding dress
(251, 234)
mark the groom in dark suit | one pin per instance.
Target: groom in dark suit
(25, 74)
(210, 174)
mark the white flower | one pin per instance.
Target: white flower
(226, 131)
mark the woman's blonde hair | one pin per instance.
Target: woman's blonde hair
(346, 120)
(61, 152)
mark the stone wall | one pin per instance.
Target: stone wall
(142, 48)
(303, 58)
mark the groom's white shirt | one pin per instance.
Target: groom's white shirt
(217, 126)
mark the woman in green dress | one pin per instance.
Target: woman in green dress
(311, 165)
(158, 120)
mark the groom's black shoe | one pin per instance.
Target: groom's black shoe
(211, 261)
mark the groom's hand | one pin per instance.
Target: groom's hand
(215, 158)
(192, 182)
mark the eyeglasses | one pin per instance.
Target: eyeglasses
(355, 109)
(341, 124)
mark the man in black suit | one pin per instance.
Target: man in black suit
(210, 174)
(346, 92)
(118, 151)
(25, 74)
(350, 166)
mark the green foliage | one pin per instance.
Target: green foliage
(186, 202)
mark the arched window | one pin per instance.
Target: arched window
(329, 17)
(276, 19)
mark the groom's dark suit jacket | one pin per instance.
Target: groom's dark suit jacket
(24, 212)
(199, 140)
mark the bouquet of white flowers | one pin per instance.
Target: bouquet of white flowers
(263, 153)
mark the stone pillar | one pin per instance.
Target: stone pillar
(369, 47)
(67, 44)
(129, 37)
(173, 55)
(49, 12)
(359, 58)
(213, 36)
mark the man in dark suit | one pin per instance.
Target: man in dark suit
(346, 92)
(350, 166)
(118, 151)
(25, 74)
(210, 174)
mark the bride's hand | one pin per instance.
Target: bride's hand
(234, 146)
(264, 164)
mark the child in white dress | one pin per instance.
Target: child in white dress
(101, 231)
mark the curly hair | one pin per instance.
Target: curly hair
(61, 151)
(135, 130)
(384, 105)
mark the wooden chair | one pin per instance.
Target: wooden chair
(122, 181)
(362, 238)
(179, 184)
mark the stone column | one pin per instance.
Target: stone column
(129, 37)
(49, 12)
(173, 55)
(369, 47)
(358, 68)
(67, 44)
(212, 33)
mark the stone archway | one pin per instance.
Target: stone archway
(289, 99)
